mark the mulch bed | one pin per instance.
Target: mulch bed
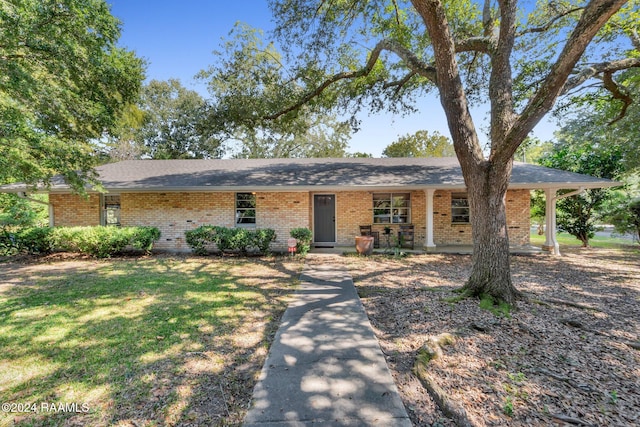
(567, 356)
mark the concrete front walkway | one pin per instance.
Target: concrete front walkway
(325, 366)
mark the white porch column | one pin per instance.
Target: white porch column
(428, 238)
(551, 242)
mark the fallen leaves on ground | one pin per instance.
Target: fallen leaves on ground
(565, 356)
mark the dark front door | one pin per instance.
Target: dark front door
(324, 218)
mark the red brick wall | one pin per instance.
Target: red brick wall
(353, 209)
(175, 213)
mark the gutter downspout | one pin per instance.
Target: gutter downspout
(23, 195)
(551, 244)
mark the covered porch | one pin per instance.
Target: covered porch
(442, 249)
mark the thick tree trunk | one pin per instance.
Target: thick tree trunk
(490, 273)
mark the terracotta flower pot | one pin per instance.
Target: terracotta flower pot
(364, 245)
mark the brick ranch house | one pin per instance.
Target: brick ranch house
(332, 197)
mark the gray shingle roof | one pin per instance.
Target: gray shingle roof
(310, 174)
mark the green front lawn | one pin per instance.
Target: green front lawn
(154, 341)
(565, 239)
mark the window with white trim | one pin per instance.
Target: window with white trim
(391, 208)
(111, 209)
(245, 209)
(459, 208)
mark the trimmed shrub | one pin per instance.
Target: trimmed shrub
(6, 242)
(33, 240)
(229, 239)
(143, 238)
(198, 238)
(104, 242)
(263, 238)
(223, 238)
(303, 238)
(101, 242)
(241, 239)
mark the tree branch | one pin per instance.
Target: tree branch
(487, 20)
(596, 69)
(414, 63)
(475, 44)
(399, 84)
(593, 18)
(12, 57)
(395, 6)
(501, 81)
(549, 24)
(613, 87)
(450, 87)
(635, 39)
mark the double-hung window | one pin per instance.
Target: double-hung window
(245, 210)
(391, 208)
(111, 209)
(459, 208)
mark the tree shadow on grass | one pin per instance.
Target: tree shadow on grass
(167, 342)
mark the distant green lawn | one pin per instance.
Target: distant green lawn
(154, 341)
(565, 239)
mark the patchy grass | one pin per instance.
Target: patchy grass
(152, 341)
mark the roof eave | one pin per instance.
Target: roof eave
(332, 188)
(564, 185)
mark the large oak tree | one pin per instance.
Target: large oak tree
(517, 57)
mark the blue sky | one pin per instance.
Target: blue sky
(177, 38)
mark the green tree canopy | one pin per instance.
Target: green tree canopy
(323, 137)
(123, 141)
(597, 117)
(170, 122)
(420, 144)
(626, 218)
(577, 215)
(64, 82)
(250, 81)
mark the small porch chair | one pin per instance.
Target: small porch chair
(406, 236)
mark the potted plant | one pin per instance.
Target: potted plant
(364, 245)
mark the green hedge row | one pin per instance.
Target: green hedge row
(101, 242)
(229, 239)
